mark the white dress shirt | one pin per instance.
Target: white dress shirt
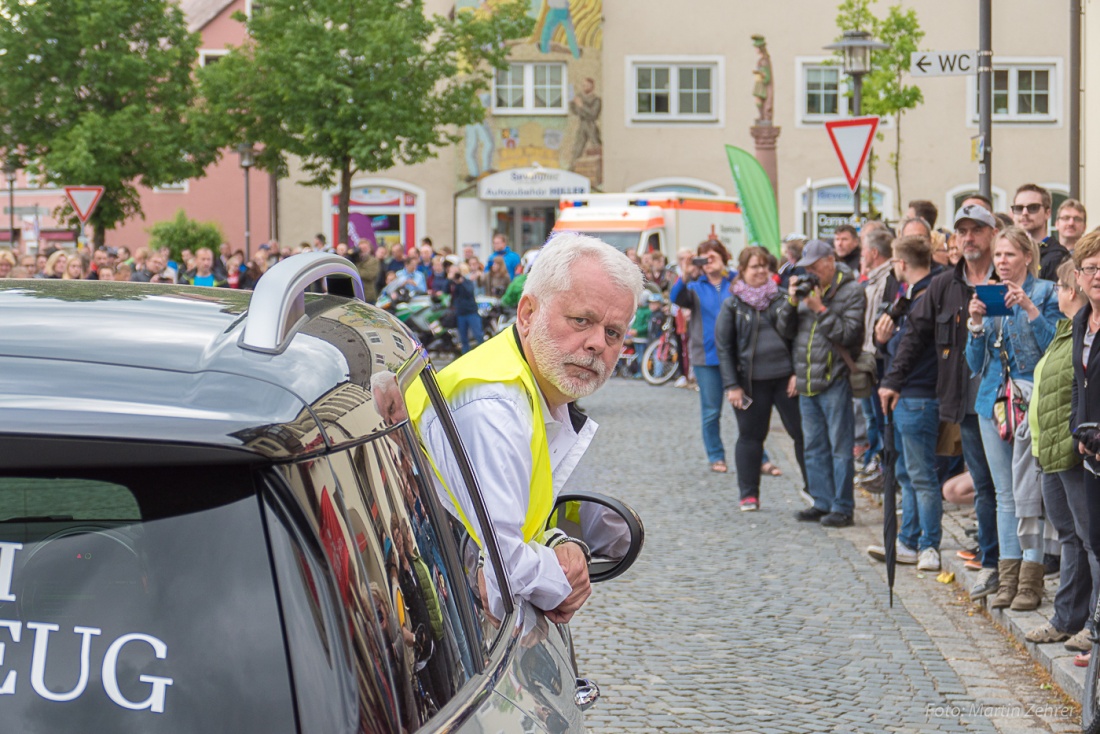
(494, 421)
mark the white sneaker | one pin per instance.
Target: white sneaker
(905, 555)
(681, 381)
(929, 560)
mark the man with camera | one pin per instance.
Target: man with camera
(824, 317)
(464, 304)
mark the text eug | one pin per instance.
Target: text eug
(41, 630)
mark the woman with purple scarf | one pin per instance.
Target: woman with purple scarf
(756, 368)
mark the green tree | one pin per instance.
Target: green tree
(885, 92)
(181, 234)
(100, 92)
(356, 85)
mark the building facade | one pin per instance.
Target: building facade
(630, 95)
(613, 96)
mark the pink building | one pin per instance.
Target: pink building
(219, 196)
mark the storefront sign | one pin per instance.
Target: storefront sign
(532, 183)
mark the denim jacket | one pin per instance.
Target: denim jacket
(1025, 341)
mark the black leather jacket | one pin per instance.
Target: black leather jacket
(735, 332)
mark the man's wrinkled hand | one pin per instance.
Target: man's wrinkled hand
(573, 563)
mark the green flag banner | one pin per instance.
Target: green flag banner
(754, 190)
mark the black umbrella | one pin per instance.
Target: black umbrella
(889, 501)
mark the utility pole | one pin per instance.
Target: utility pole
(985, 97)
(1075, 99)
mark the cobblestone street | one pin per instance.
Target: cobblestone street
(752, 622)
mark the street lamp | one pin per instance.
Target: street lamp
(10, 167)
(248, 159)
(857, 47)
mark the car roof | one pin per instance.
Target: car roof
(168, 365)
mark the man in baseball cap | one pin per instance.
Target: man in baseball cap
(820, 323)
(934, 323)
(975, 213)
(813, 251)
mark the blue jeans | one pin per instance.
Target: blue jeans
(872, 414)
(916, 428)
(828, 431)
(709, 380)
(999, 455)
(985, 497)
(469, 324)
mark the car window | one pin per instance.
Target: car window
(138, 600)
(403, 541)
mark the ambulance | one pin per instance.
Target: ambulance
(655, 221)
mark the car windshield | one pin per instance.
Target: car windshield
(622, 241)
(139, 600)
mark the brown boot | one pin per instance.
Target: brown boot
(1029, 593)
(1009, 571)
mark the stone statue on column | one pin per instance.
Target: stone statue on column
(764, 132)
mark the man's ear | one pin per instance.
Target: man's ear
(525, 314)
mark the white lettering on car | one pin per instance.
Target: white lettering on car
(155, 702)
(7, 564)
(42, 632)
(15, 629)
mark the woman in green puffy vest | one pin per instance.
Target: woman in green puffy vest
(1063, 478)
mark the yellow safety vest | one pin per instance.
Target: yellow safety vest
(498, 360)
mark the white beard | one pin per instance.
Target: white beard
(552, 362)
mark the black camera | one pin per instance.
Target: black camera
(806, 284)
(1088, 434)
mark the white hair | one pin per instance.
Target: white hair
(552, 273)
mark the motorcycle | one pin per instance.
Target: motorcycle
(428, 318)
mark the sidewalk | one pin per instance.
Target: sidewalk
(1057, 660)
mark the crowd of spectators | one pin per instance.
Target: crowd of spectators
(978, 341)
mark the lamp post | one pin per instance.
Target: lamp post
(10, 167)
(857, 47)
(248, 159)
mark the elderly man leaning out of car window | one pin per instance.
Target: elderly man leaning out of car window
(513, 402)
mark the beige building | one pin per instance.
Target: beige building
(670, 86)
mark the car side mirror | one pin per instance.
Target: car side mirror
(610, 528)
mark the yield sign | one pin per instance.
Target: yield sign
(852, 142)
(84, 200)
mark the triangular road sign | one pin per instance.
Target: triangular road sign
(852, 141)
(84, 200)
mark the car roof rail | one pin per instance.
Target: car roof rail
(278, 305)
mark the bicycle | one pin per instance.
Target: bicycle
(661, 359)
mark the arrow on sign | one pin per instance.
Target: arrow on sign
(84, 200)
(852, 142)
(921, 63)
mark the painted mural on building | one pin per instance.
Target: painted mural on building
(545, 109)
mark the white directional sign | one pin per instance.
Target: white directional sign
(943, 63)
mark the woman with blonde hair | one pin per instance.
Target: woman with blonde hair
(1004, 351)
(55, 265)
(7, 263)
(74, 268)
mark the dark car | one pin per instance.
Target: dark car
(215, 516)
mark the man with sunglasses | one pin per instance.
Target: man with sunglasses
(1031, 212)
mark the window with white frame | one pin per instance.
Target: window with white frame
(680, 90)
(211, 56)
(530, 89)
(822, 91)
(1024, 91)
